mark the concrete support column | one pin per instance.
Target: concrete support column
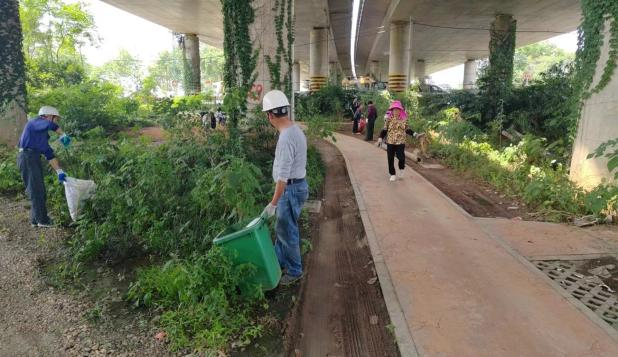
(296, 77)
(469, 80)
(419, 71)
(318, 58)
(374, 70)
(13, 78)
(399, 56)
(191, 50)
(597, 125)
(333, 73)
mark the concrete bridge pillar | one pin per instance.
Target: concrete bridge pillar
(419, 71)
(296, 77)
(318, 58)
(333, 72)
(374, 70)
(469, 79)
(191, 50)
(597, 125)
(399, 56)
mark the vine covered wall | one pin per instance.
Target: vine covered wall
(240, 57)
(283, 17)
(596, 14)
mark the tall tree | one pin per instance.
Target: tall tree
(531, 60)
(55, 31)
(125, 70)
(165, 76)
(212, 61)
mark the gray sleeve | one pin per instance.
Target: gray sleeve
(286, 159)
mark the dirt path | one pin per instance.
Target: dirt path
(38, 320)
(342, 312)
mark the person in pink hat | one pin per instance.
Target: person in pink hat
(394, 133)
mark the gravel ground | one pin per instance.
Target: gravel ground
(37, 319)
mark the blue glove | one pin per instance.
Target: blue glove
(65, 140)
(62, 176)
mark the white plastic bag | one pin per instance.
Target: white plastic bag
(77, 191)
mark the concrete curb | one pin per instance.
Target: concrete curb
(403, 336)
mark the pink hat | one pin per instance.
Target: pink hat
(395, 104)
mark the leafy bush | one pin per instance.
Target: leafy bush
(525, 171)
(182, 111)
(320, 127)
(199, 192)
(202, 307)
(10, 179)
(87, 105)
(545, 108)
(331, 101)
(315, 171)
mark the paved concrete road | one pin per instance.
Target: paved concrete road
(462, 292)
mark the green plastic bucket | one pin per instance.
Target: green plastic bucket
(252, 244)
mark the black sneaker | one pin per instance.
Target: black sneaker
(289, 280)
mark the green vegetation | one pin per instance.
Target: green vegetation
(10, 180)
(536, 58)
(158, 205)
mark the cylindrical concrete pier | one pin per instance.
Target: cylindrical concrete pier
(192, 58)
(374, 70)
(296, 77)
(399, 56)
(419, 71)
(333, 72)
(469, 79)
(318, 58)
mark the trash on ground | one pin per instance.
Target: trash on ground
(602, 271)
(585, 221)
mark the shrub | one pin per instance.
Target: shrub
(199, 295)
(87, 105)
(332, 101)
(10, 179)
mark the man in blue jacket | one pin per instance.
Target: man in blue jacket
(32, 144)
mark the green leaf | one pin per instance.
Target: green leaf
(612, 163)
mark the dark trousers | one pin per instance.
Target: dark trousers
(370, 124)
(391, 151)
(355, 125)
(29, 163)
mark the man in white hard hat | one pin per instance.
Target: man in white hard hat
(291, 189)
(32, 144)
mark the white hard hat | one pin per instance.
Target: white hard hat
(273, 100)
(47, 110)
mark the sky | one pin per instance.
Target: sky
(145, 40)
(141, 38)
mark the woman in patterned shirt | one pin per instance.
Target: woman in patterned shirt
(395, 130)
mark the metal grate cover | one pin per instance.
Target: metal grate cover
(588, 289)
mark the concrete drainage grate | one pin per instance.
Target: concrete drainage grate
(590, 290)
